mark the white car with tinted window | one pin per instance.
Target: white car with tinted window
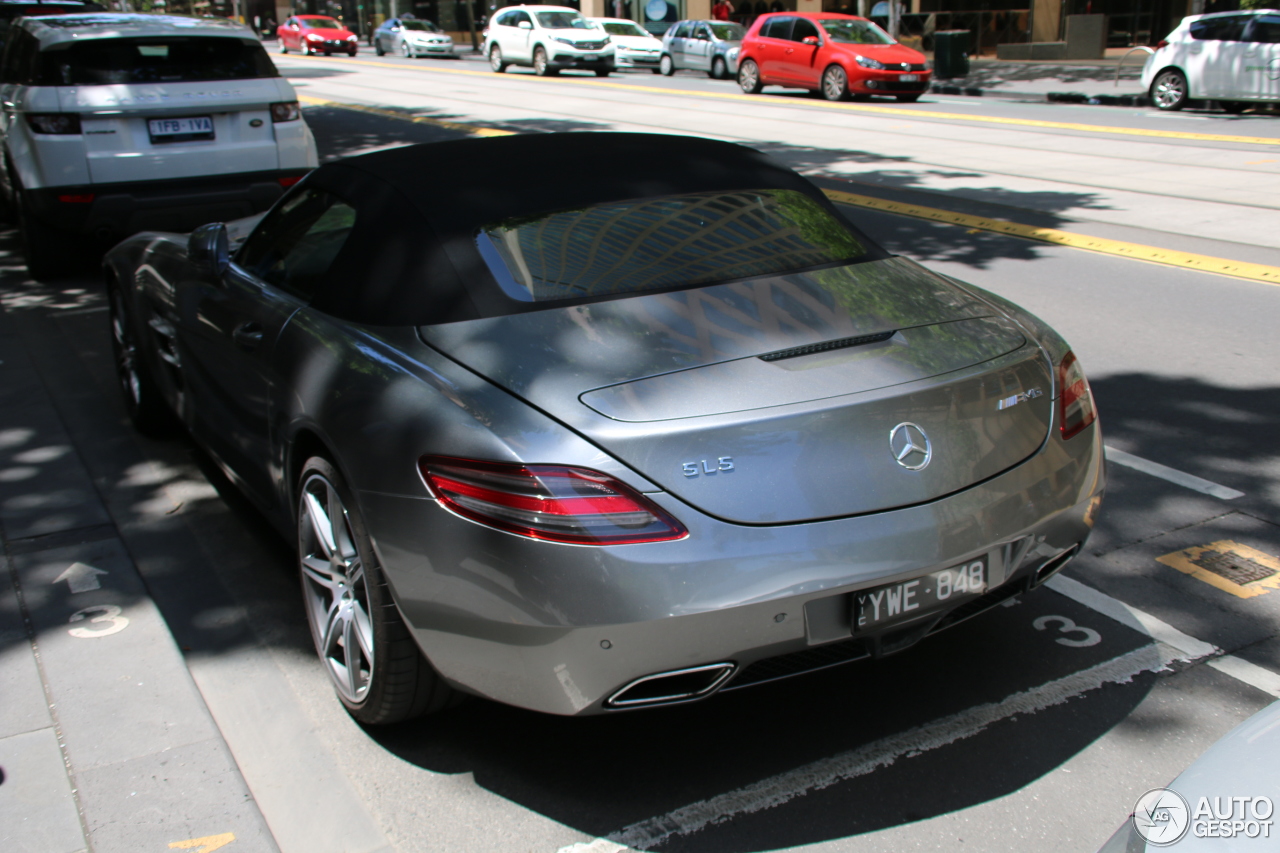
(118, 123)
(633, 45)
(548, 38)
(1230, 57)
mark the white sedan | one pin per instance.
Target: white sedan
(635, 46)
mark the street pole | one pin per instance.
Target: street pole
(471, 22)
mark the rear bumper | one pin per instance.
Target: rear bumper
(561, 629)
(118, 210)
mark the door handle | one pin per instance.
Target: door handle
(247, 335)
(790, 50)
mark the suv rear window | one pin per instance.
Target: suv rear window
(620, 248)
(163, 59)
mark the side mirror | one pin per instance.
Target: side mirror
(525, 25)
(813, 40)
(209, 250)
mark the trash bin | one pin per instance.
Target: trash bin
(950, 54)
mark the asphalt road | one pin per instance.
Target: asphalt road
(1033, 728)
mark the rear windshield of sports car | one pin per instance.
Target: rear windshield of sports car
(165, 59)
(621, 248)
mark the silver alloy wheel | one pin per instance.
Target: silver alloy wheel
(495, 59)
(749, 77)
(666, 66)
(405, 50)
(835, 84)
(718, 69)
(540, 62)
(126, 351)
(1169, 91)
(335, 589)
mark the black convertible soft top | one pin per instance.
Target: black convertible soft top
(412, 258)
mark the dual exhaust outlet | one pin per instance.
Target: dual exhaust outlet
(677, 685)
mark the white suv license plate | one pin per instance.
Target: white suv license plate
(167, 128)
(908, 78)
(883, 605)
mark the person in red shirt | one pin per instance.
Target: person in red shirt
(722, 10)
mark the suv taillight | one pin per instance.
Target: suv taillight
(54, 124)
(556, 503)
(286, 111)
(1075, 401)
(1161, 43)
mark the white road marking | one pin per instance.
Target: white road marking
(1187, 481)
(1250, 673)
(80, 577)
(1187, 647)
(105, 613)
(881, 753)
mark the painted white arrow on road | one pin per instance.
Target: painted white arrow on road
(80, 577)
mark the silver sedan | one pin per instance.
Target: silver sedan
(412, 37)
(710, 46)
(586, 446)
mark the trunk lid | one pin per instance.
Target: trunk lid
(772, 401)
(121, 147)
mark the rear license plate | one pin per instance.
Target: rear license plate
(175, 129)
(874, 608)
(908, 78)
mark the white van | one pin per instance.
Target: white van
(119, 123)
(1229, 57)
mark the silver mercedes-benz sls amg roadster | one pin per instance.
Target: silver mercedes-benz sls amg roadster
(583, 445)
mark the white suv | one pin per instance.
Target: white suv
(550, 38)
(118, 123)
(1230, 57)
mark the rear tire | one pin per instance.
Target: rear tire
(49, 253)
(665, 66)
(143, 402)
(374, 664)
(907, 99)
(377, 47)
(1169, 90)
(749, 77)
(284, 48)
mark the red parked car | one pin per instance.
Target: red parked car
(841, 56)
(316, 34)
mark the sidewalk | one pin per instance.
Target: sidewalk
(1039, 81)
(105, 742)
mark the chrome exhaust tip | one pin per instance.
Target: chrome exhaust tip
(678, 685)
(1054, 565)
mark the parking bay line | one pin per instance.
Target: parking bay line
(1181, 478)
(1169, 645)
(1100, 245)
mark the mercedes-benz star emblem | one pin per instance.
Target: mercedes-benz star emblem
(910, 446)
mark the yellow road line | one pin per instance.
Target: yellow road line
(474, 130)
(1137, 251)
(896, 112)
(1101, 245)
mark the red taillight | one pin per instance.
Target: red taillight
(1075, 400)
(82, 198)
(1161, 43)
(286, 111)
(552, 502)
(288, 182)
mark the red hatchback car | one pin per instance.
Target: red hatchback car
(316, 34)
(841, 56)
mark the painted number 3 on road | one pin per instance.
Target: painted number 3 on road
(107, 613)
(1088, 636)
